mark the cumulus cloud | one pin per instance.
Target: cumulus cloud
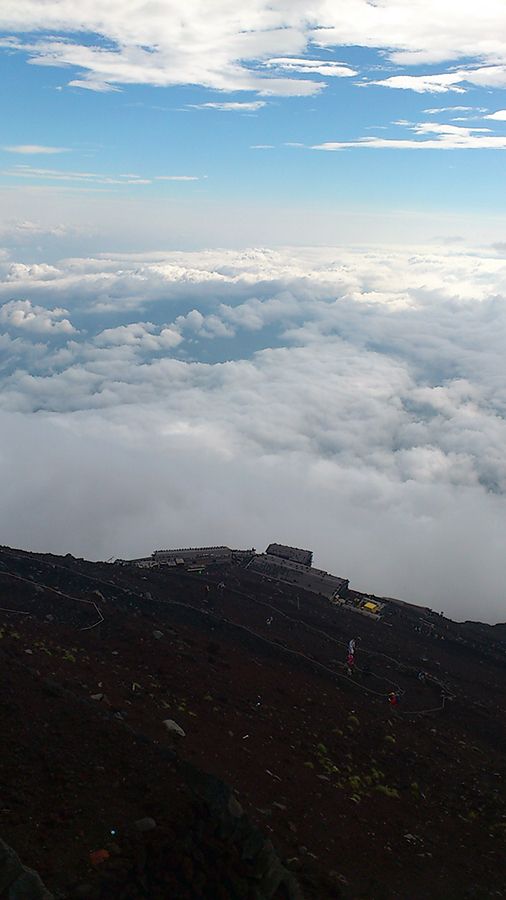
(21, 314)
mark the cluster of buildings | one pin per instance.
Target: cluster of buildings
(279, 563)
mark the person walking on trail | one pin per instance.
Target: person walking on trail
(394, 699)
(351, 647)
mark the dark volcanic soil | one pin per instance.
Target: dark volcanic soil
(406, 804)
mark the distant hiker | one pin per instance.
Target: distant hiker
(394, 699)
(270, 620)
(421, 677)
(351, 647)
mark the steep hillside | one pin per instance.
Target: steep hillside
(361, 800)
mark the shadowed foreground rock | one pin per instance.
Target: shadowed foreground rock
(17, 882)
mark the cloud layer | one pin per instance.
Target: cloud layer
(349, 401)
(259, 46)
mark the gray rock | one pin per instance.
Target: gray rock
(27, 887)
(146, 824)
(252, 845)
(174, 728)
(97, 696)
(158, 635)
(234, 807)
(17, 882)
(272, 878)
(10, 866)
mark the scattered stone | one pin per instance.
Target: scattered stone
(146, 824)
(158, 635)
(97, 696)
(410, 837)
(30, 652)
(49, 618)
(174, 728)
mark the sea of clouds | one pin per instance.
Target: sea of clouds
(351, 401)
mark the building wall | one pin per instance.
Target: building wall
(305, 557)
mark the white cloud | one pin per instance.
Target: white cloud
(348, 398)
(232, 106)
(457, 81)
(176, 177)
(30, 149)
(499, 115)
(449, 137)
(433, 84)
(313, 67)
(20, 314)
(24, 171)
(231, 48)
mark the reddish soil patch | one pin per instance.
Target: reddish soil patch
(407, 803)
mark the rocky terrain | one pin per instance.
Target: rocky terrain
(292, 779)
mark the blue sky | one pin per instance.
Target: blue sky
(253, 264)
(410, 117)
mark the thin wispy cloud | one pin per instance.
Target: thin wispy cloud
(22, 171)
(449, 137)
(313, 67)
(29, 149)
(178, 177)
(232, 106)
